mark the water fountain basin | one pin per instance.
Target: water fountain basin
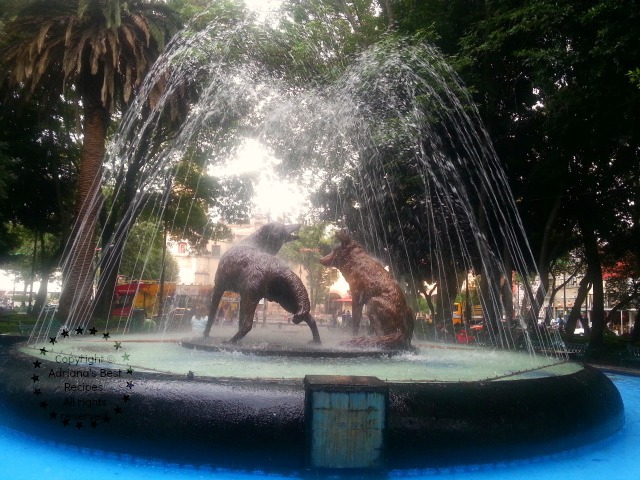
(257, 422)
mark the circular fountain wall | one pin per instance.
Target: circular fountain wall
(240, 409)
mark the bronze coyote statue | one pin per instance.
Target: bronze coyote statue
(372, 285)
(252, 270)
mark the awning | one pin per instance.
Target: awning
(129, 288)
(343, 300)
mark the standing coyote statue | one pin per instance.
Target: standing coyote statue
(252, 270)
(372, 285)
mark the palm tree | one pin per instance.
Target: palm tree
(99, 50)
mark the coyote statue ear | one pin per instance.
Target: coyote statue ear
(343, 236)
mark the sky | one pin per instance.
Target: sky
(8, 282)
(273, 195)
(263, 7)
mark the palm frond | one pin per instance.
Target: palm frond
(114, 39)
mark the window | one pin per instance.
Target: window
(215, 250)
(182, 247)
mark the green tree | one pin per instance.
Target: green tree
(144, 166)
(634, 77)
(552, 80)
(99, 51)
(39, 157)
(144, 257)
(312, 244)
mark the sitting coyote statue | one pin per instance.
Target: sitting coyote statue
(372, 285)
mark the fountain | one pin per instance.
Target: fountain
(274, 401)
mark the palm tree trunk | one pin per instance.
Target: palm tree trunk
(78, 272)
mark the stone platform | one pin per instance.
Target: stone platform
(309, 350)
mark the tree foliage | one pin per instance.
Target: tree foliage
(563, 113)
(39, 159)
(84, 43)
(97, 52)
(144, 256)
(312, 244)
(556, 84)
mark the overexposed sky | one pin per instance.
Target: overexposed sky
(9, 282)
(263, 7)
(273, 195)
